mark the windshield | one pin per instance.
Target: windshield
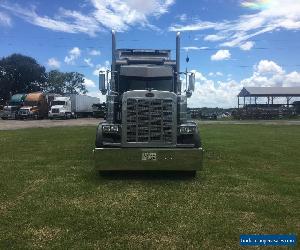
(31, 103)
(141, 83)
(58, 103)
(14, 103)
(10, 108)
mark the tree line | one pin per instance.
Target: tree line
(23, 74)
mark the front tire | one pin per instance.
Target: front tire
(192, 174)
(197, 140)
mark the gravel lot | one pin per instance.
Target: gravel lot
(16, 124)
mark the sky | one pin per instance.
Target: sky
(230, 43)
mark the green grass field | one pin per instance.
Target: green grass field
(50, 196)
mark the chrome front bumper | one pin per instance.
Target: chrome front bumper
(56, 115)
(174, 159)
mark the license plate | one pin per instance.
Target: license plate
(147, 156)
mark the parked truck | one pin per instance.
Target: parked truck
(99, 110)
(146, 127)
(35, 106)
(72, 106)
(10, 111)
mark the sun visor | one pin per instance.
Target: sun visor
(146, 71)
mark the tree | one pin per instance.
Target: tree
(64, 83)
(20, 74)
(75, 83)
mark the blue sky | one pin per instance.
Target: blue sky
(230, 43)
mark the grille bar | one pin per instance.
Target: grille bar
(149, 121)
(55, 111)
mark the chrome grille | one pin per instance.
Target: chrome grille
(149, 120)
(55, 111)
(24, 112)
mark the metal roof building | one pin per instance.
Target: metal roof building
(251, 94)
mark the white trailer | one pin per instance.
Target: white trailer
(81, 105)
(72, 106)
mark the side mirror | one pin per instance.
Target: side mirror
(102, 84)
(191, 86)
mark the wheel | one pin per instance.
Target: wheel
(197, 140)
(192, 173)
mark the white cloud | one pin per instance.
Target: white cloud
(73, 55)
(95, 52)
(221, 55)
(194, 27)
(104, 14)
(279, 14)
(89, 83)
(213, 38)
(65, 20)
(211, 93)
(269, 74)
(98, 95)
(120, 15)
(292, 79)
(182, 17)
(212, 74)
(88, 61)
(266, 67)
(100, 67)
(75, 51)
(5, 19)
(193, 48)
(53, 63)
(247, 45)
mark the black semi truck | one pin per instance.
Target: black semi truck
(146, 125)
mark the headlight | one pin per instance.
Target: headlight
(187, 129)
(114, 128)
(110, 128)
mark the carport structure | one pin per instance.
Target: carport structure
(250, 95)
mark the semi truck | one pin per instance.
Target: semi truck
(35, 106)
(99, 110)
(10, 111)
(146, 125)
(72, 106)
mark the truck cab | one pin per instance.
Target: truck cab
(60, 108)
(10, 111)
(35, 106)
(147, 126)
(99, 110)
